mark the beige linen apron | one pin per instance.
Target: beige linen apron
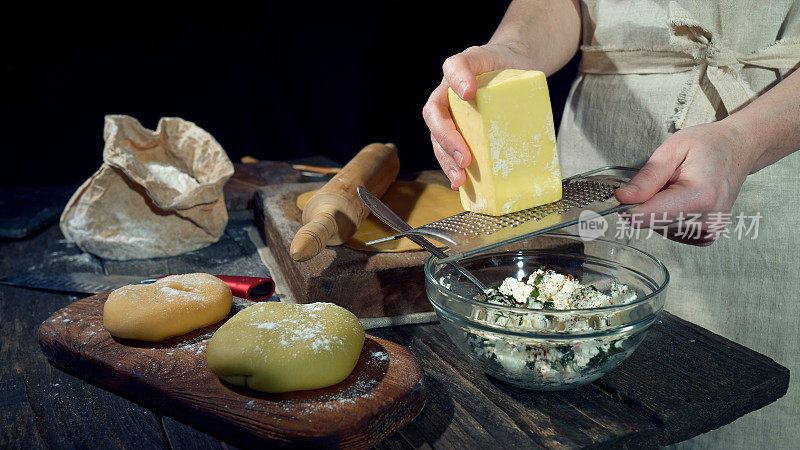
(652, 67)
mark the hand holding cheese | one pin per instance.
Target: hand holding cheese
(509, 129)
(459, 73)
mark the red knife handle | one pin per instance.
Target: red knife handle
(250, 288)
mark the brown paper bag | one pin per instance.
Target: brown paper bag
(158, 193)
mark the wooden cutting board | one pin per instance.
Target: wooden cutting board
(385, 391)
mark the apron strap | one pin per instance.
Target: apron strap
(695, 48)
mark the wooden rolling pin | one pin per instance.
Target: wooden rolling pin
(333, 214)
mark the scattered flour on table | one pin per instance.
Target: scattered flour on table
(81, 262)
(380, 355)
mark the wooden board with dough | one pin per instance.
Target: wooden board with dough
(368, 283)
(384, 392)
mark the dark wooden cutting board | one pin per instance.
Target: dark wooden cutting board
(385, 391)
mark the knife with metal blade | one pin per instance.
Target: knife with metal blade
(250, 288)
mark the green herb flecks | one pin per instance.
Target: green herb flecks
(567, 355)
(492, 364)
(598, 359)
(497, 297)
(477, 342)
(602, 356)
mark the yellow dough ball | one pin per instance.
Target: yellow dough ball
(171, 306)
(281, 347)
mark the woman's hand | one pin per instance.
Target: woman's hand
(459, 73)
(702, 168)
(698, 170)
(541, 35)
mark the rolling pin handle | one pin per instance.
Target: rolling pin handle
(307, 242)
(333, 214)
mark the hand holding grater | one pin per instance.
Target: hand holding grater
(469, 233)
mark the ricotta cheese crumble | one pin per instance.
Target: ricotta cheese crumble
(547, 289)
(558, 362)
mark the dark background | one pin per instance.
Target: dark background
(275, 81)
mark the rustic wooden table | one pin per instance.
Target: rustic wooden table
(681, 382)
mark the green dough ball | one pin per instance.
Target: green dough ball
(281, 347)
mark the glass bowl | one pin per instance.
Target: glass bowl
(549, 349)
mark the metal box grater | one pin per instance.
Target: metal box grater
(468, 233)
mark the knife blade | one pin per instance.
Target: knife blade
(75, 282)
(251, 288)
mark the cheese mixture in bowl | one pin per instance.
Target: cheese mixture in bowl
(555, 317)
(546, 289)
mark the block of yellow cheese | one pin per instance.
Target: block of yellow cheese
(509, 129)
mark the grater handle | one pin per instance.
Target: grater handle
(422, 232)
(383, 212)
